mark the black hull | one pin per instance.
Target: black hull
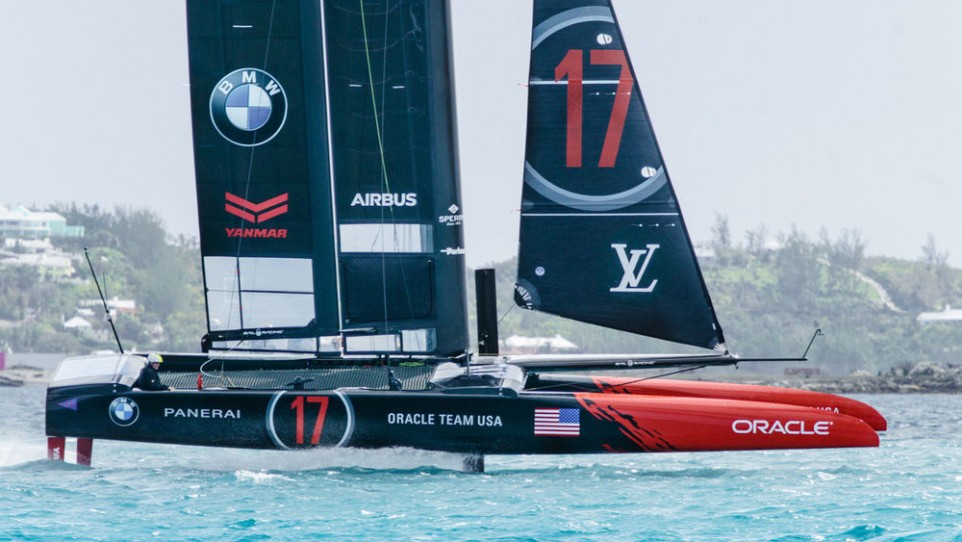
(485, 409)
(483, 424)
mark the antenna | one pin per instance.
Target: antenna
(110, 320)
(818, 332)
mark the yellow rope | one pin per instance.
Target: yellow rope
(370, 80)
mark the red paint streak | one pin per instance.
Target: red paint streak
(645, 439)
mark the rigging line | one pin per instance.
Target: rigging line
(222, 376)
(270, 32)
(582, 387)
(661, 375)
(370, 79)
(402, 270)
(380, 146)
(511, 307)
(247, 188)
(586, 387)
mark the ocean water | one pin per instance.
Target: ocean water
(908, 489)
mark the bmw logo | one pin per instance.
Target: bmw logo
(124, 411)
(248, 107)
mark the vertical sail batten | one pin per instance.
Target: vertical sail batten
(602, 237)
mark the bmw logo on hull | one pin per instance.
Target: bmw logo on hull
(124, 411)
(248, 107)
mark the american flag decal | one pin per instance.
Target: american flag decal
(557, 422)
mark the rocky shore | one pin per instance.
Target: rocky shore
(924, 377)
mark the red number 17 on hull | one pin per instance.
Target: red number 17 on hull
(298, 405)
(572, 68)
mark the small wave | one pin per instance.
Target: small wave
(862, 532)
(328, 459)
(42, 465)
(260, 477)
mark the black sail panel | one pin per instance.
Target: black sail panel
(262, 172)
(397, 195)
(602, 237)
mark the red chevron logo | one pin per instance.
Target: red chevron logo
(255, 212)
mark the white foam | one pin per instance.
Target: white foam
(329, 458)
(16, 452)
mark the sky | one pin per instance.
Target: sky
(834, 114)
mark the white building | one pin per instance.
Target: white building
(115, 304)
(948, 314)
(77, 323)
(53, 263)
(21, 223)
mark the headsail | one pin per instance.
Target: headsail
(602, 237)
(327, 174)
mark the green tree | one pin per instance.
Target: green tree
(721, 239)
(797, 271)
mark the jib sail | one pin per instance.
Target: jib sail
(395, 169)
(602, 236)
(327, 175)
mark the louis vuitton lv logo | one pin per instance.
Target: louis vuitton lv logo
(634, 268)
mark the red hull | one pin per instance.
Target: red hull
(743, 392)
(676, 424)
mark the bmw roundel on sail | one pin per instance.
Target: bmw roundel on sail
(602, 237)
(248, 107)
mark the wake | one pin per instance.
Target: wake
(14, 452)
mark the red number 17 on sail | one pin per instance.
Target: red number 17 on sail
(572, 68)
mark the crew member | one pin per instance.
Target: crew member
(149, 380)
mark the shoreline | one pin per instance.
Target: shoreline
(923, 378)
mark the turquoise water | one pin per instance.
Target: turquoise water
(908, 489)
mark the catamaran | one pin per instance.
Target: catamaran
(330, 211)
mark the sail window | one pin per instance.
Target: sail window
(267, 310)
(407, 341)
(277, 274)
(223, 310)
(324, 345)
(418, 340)
(393, 238)
(354, 344)
(253, 293)
(378, 289)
